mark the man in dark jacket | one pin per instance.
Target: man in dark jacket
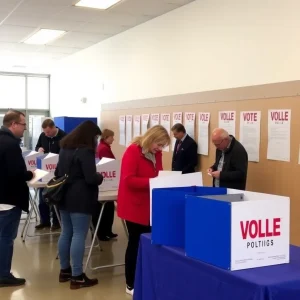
(14, 192)
(230, 168)
(48, 142)
(185, 156)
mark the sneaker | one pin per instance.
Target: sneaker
(112, 235)
(42, 226)
(11, 281)
(82, 281)
(65, 275)
(129, 290)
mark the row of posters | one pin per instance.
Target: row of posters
(279, 123)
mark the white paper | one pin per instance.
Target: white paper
(177, 180)
(279, 135)
(203, 132)
(250, 133)
(128, 129)
(189, 123)
(38, 174)
(177, 118)
(145, 123)
(165, 121)
(227, 121)
(136, 126)
(122, 126)
(169, 173)
(154, 120)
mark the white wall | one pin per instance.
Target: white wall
(206, 45)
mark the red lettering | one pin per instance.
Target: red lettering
(189, 116)
(109, 174)
(155, 117)
(279, 115)
(177, 117)
(250, 116)
(259, 229)
(203, 117)
(166, 117)
(31, 162)
(145, 118)
(50, 167)
(227, 116)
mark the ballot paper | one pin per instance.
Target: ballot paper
(38, 174)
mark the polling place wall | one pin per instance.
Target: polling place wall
(267, 176)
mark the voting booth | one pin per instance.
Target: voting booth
(168, 213)
(239, 230)
(47, 162)
(30, 158)
(110, 170)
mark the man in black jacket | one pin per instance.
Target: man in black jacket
(14, 192)
(185, 156)
(230, 168)
(48, 142)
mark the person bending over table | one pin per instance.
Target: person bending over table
(77, 159)
(105, 228)
(141, 161)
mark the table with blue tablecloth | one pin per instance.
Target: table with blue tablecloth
(165, 273)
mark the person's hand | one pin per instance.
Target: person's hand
(216, 174)
(41, 149)
(33, 174)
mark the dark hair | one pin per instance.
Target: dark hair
(82, 136)
(12, 116)
(178, 128)
(48, 123)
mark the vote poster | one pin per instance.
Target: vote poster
(128, 129)
(189, 123)
(250, 133)
(227, 121)
(145, 122)
(136, 125)
(203, 132)
(122, 127)
(177, 118)
(154, 120)
(165, 121)
(279, 134)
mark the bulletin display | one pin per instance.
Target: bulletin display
(266, 175)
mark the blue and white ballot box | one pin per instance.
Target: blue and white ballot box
(30, 158)
(240, 230)
(47, 162)
(168, 213)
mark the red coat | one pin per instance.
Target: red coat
(104, 150)
(134, 188)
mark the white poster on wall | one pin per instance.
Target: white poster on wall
(128, 129)
(122, 126)
(145, 123)
(165, 121)
(189, 123)
(136, 126)
(154, 120)
(279, 133)
(250, 133)
(227, 121)
(177, 118)
(203, 132)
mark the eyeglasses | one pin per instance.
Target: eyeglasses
(23, 124)
(219, 144)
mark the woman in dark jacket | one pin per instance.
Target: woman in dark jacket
(77, 159)
(105, 228)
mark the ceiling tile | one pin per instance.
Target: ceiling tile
(10, 33)
(61, 24)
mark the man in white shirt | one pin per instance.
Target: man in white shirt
(14, 192)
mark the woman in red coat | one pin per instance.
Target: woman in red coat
(141, 161)
(105, 228)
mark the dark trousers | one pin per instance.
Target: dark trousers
(9, 223)
(46, 212)
(107, 220)
(134, 230)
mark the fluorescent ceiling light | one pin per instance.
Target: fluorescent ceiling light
(99, 4)
(44, 36)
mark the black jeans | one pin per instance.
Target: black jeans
(135, 230)
(107, 220)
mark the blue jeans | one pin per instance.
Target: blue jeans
(71, 244)
(9, 224)
(46, 211)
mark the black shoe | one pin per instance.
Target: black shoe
(82, 281)
(11, 281)
(42, 226)
(65, 275)
(112, 235)
(55, 227)
(104, 238)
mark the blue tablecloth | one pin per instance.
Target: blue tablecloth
(165, 273)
